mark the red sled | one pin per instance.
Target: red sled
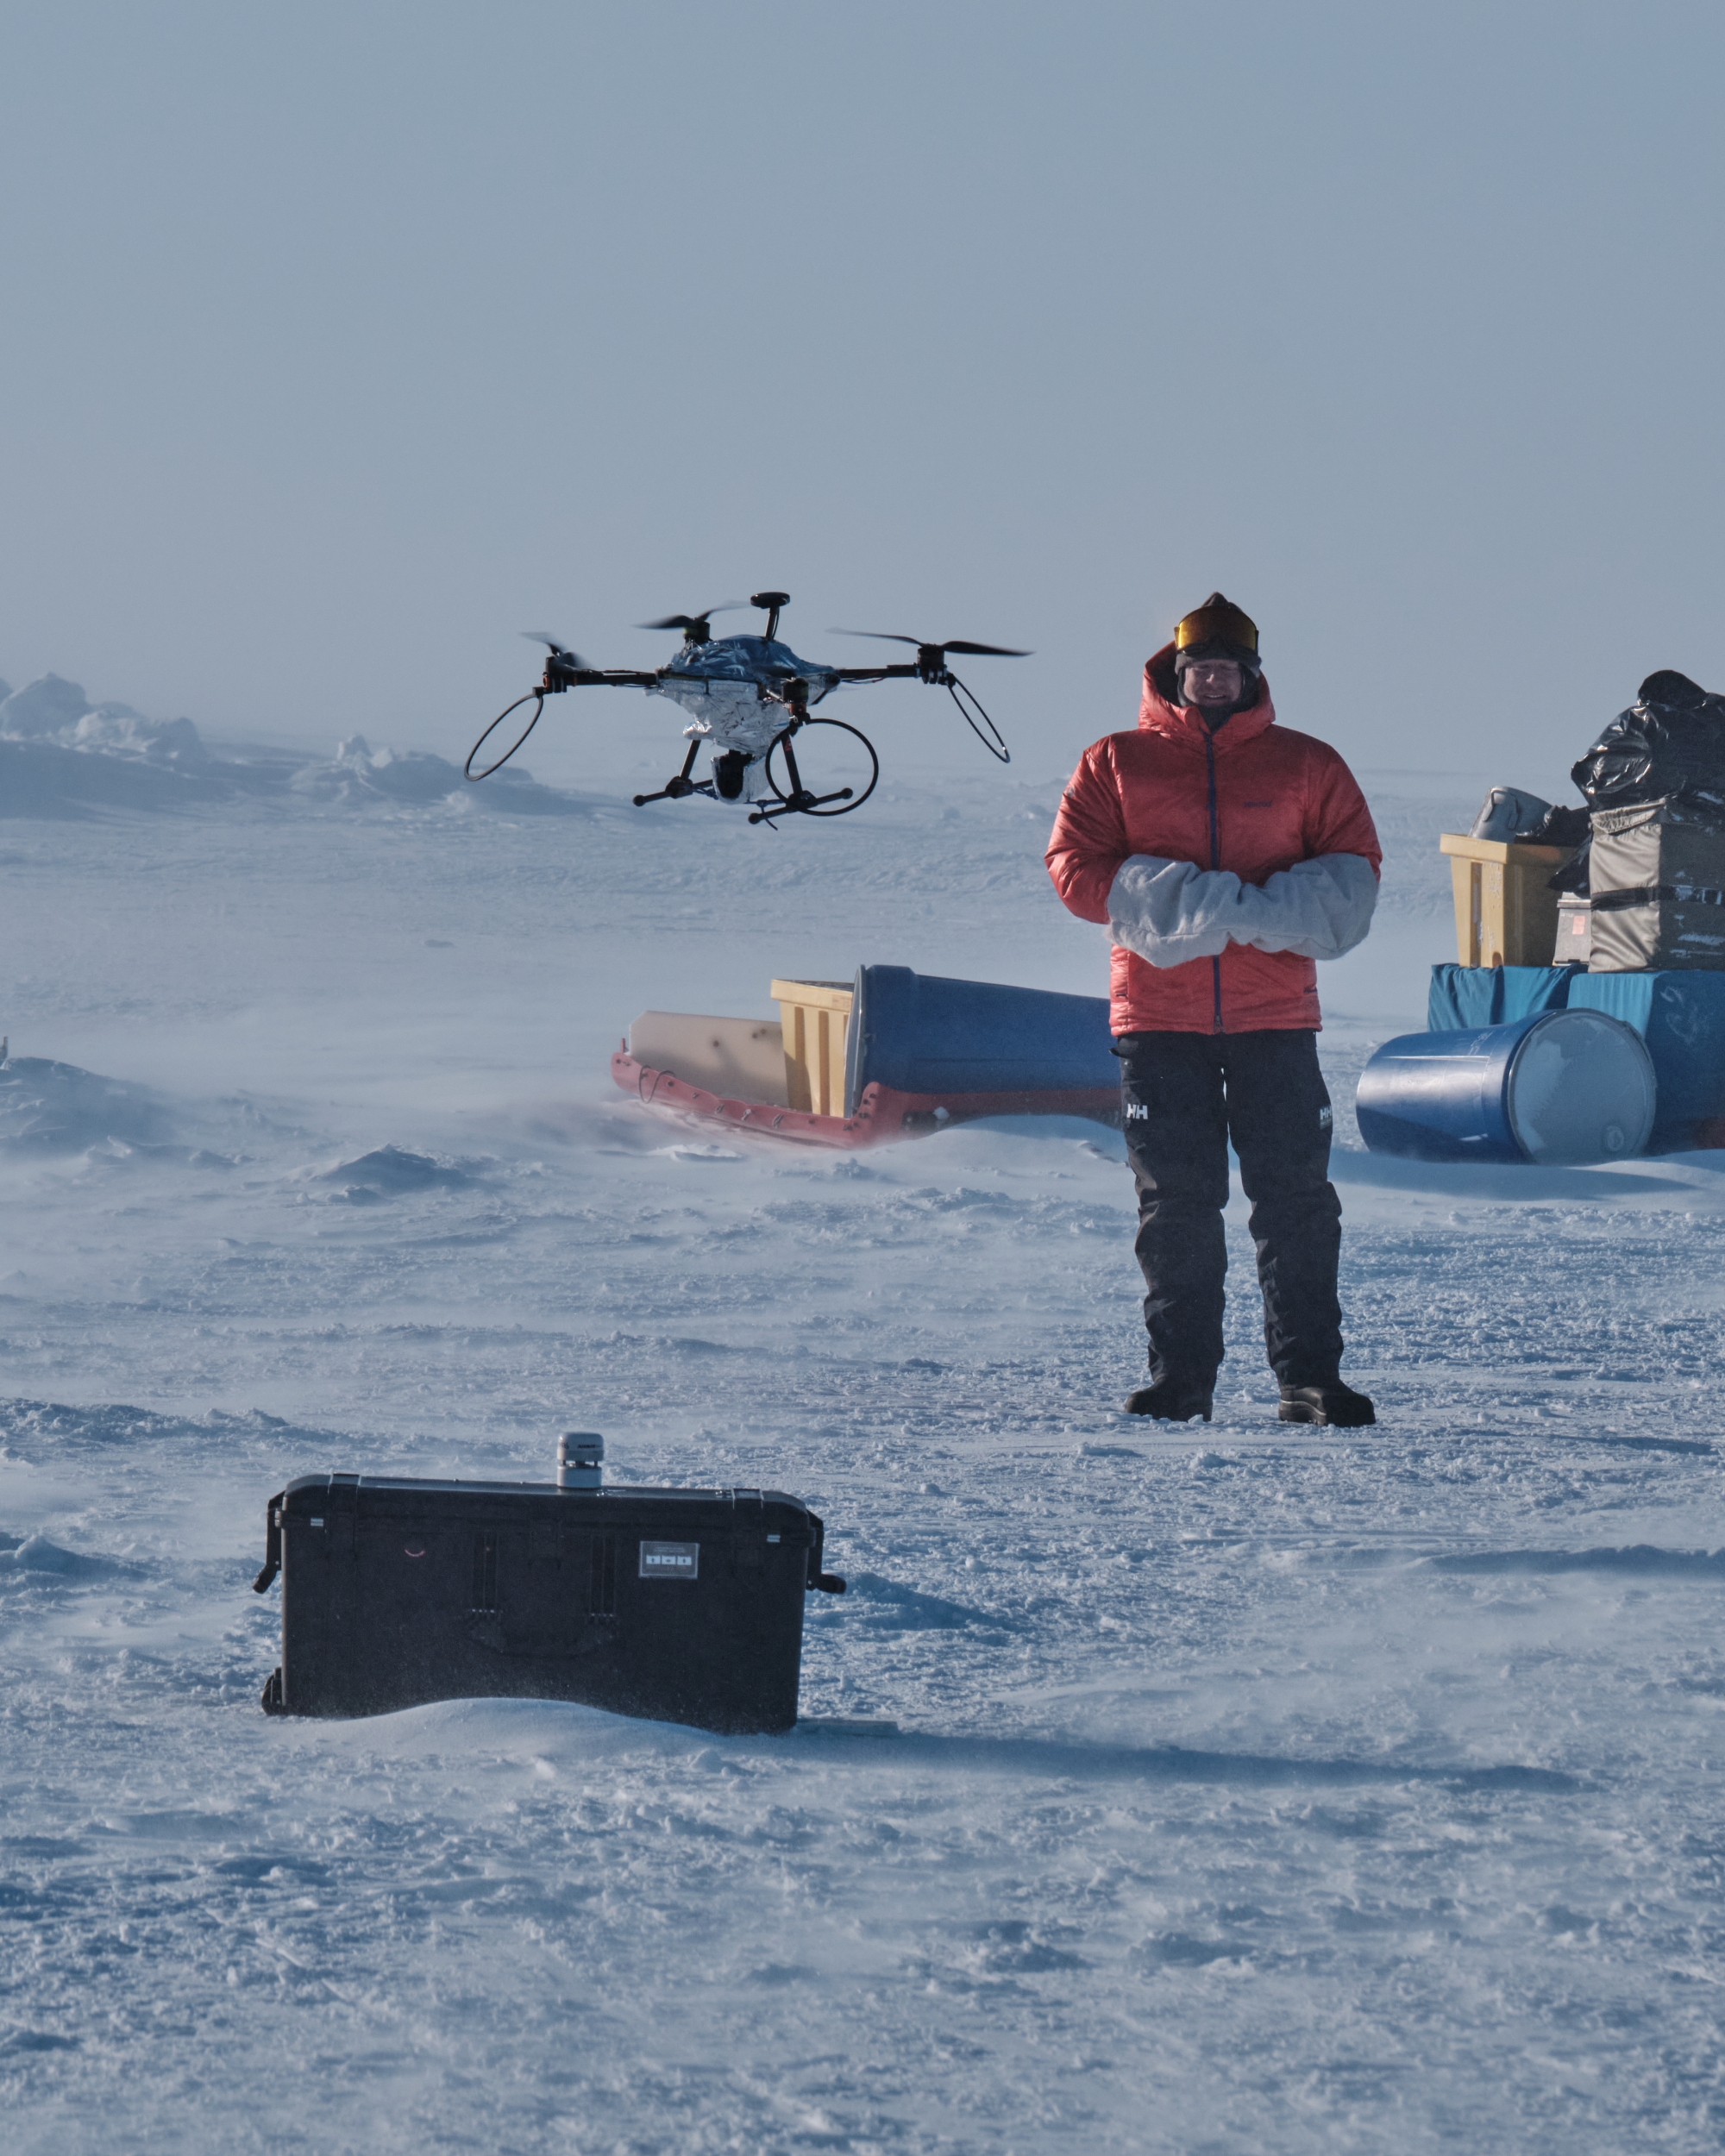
(894, 1055)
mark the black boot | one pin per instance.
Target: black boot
(1171, 1400)
(1334, 1403)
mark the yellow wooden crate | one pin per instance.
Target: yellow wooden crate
(1505, 914)
(814, 1015)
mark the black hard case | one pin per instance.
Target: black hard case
(682, 1605)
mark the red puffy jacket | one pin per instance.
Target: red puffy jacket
(1253, 798)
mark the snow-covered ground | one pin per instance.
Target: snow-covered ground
(1254, 1788)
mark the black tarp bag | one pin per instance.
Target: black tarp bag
(1668, 746)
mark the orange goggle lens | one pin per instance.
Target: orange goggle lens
(1217, 624)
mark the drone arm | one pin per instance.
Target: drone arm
(988, 733)
(559, 678)
(561, 673)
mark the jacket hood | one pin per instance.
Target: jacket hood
(1158, 713)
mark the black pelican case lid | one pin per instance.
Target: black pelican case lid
(351, 1499)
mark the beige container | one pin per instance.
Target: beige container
(813, 1016)
(741, 1059)
(1505, 914)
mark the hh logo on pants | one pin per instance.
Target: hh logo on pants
(1326, 1118)
(1137, 1111)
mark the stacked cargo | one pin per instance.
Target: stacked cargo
(1655, 860)
(1616, 912)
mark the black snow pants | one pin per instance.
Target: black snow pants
(1182, 1097)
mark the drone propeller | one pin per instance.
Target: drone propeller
(694, 626)
(952, 644)
(558, 650)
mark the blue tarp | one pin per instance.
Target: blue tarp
(1681, 1016)
(1466, 998)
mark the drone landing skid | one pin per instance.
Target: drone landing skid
(793, 797)
(800, 803)
(681, 787)
(725, 784)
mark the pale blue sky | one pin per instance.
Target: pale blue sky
(342, 343)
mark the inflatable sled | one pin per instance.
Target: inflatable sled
(893, 1055)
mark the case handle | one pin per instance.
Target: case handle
(819, 1582)
(272, 1544)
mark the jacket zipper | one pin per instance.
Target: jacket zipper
(1215, 862)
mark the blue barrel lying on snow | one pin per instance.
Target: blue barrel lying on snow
(1561, 1087)
(978, 1046)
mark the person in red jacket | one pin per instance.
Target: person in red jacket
(1227, 853)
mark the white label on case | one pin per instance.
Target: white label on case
(671, 1560)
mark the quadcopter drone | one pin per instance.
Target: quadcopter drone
(750, 697)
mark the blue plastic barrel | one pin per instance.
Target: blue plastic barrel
(1559, 1087)
(921, 1034)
